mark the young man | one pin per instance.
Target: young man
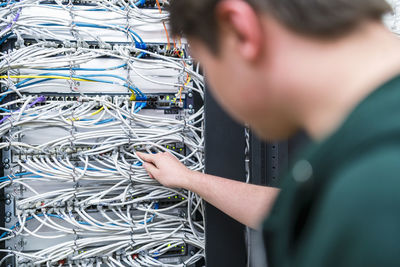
(329, 67)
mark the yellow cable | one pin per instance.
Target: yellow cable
(181, 89)
(97, 112)
(132, 98)
(93, 114)
(43, 77)
(188, 80)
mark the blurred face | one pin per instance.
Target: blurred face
(249, 73)
(246, 91)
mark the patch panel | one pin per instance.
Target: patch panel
(153, 101)
(155, 48)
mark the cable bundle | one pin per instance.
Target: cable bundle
(75, 109)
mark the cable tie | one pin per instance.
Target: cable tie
(7, 55)
(131, 235)
(9, 141)
(11, 178)
(130, 179)
(14, 232)
(184, 129)
(73, 178)
(75, 246)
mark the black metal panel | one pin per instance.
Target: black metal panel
(224, 156)
(276, 161)
(270, 161)
(267, 162)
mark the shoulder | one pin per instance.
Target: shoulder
(355, 220)
(375, 174)
(362, 198)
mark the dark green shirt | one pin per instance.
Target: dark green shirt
(340, 204)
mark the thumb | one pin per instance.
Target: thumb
(145, 157)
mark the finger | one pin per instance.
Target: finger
(151, 169)
(146, 157)
(170, 155)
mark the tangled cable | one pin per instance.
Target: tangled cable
(76, 105)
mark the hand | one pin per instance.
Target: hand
(166, 169)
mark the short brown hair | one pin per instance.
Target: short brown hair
(318, 18)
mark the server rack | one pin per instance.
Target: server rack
(225, 146)
(161, 102)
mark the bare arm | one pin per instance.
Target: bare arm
(248, 204)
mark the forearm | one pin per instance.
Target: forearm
(248, 204)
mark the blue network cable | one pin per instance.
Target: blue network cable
(156, 206)
(137, 39)
(138, 107)
(6, 3)
(38, 215)
(7, 178)
(5, 37)
(5, 110)
(88, 69)
(139, 43)
(138, 3)
(24, 83)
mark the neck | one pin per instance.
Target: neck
(348, 71)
